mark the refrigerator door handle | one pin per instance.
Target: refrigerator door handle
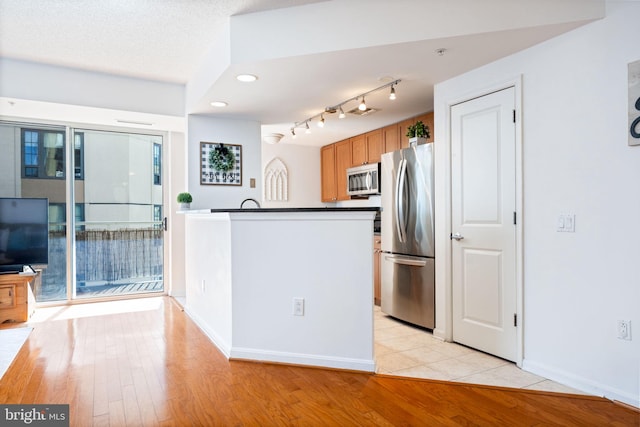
(414, 262)
(400, 214)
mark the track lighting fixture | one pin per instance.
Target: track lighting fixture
(338, 108)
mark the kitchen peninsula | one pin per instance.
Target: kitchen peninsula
(287, 285)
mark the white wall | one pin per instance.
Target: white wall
(244, 270)
(243, 132)
(575, 160)
(303, 169)
(39, 82)
(175, 181)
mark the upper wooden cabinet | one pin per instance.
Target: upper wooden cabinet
(335, 159)
(358, 150)
(329, 188)
(404, 127)
(343, 162)
(366, 148)
(427, 119)
(374, 145)
(391, 138)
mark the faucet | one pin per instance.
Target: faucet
(249, 200)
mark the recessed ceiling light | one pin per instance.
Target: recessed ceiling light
(219, 104)
(247, 78)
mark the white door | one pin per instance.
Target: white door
(483, 223)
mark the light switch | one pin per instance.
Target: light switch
(566, 223)
(252, 183)
(570, 223)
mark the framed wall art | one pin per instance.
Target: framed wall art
(220, 164)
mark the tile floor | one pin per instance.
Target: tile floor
(405, 350)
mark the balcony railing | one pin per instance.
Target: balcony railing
(111, 258)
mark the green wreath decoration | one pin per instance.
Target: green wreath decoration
(222, 159)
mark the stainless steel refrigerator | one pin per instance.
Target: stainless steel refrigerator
(408, 270)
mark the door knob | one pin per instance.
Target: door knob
(457, 236)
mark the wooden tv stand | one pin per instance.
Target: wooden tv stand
(17, 302)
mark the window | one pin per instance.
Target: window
(78, 155)
(157, 164)
(58, 216)
(43, 154)
(157, 212)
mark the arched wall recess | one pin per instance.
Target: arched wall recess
(276, 181)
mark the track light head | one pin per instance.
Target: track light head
(321, 122)
(392, 95)
(341, 115)
(362, 106)
(307, 128)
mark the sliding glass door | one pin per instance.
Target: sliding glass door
(119, 237)
(105, 206)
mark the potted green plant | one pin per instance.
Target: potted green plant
(418, 133)
(185, 200)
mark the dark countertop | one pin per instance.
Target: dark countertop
(355, 209)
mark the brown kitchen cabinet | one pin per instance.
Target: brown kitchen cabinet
(17, 302)
(335, 159)
(403, 128)
(329, 188)
(427, 119)
(343, 162)
(377, 257)
(358, 150)
(366, 148)
(374, 145)
(391, 138)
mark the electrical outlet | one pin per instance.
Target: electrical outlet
(624, 330)
(298, 306)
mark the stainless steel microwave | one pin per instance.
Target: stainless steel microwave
(363, 180)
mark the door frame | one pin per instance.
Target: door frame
(443, 189)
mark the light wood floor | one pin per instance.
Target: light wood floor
(155, 367)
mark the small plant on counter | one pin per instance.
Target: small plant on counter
(184, 199)
(418, 130)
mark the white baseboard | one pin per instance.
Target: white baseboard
(222, 345)
(580, 383)
(365, 365)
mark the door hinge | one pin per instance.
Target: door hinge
(165, 223)
(515, 218)
(515, 319)
(514, 116)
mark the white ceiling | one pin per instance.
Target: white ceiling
(168, 40)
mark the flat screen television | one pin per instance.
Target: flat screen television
(24, 233)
